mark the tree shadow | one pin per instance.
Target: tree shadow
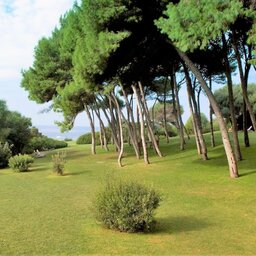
(179, 224)
(74, 173)
(247, 173)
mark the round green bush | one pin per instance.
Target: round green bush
(126, 206)
(20, 163)
(87, 138)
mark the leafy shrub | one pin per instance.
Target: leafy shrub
(45, 143)
(5, 154)
(87, 138)
(204, 121)
(20, 163)
(126, 206)
(59, 161)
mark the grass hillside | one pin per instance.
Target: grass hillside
(203, 211)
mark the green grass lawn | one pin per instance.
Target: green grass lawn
(203, 211)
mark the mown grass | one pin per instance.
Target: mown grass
(203, 211)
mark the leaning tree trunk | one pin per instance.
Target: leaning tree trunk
(112, 128)
(147, 117)
(245, 118)
(233, 170)
(210, 114)
(165, 120)
(231, 102)
(92, 129)
(197, 121)
(176, 95)
(142, 126)
(131, 126)
(103, 130)
(243, 83)
(119, 115)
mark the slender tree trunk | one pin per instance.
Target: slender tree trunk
(233, 170)
(231, 101)
(119, 113)
(112, 128)
(131, 125)
(243, 82)
(142, 126)
(155, 144)
(198, 103)
(176, 93)
(93, 148)
(245, 119)
(103, 130)
(211, 121)
(165, 121)
(198, 127)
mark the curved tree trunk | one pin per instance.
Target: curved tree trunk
(142, 127)
(131, 125)
(243, 83)
(210, 114)
(233, 170)
(231, 101)
(103, 130)
(147, 117)
(197, 121)
(181, 130)
(119, 113)
(92, 129)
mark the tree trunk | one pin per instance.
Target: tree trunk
(142, 126)
(155, 144)
(93, 148)
(103, 130)
(113, 131)
(176, 93)
(211, 121)
(119, 115)
(165, 121)
(233, 170)
(131, 126)
(231, 101)
(198, 127)
(243, 82)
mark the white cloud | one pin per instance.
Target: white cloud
(22, 24)
(21, 28)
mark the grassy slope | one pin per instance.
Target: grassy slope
(203, 212)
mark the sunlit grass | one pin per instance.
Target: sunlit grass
(203, 211)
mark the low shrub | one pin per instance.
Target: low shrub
(20, 163)
(59, 161)
(126, 206)
(87, 138)
(5, 154)
(45, 143)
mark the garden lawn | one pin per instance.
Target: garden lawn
(203, 211)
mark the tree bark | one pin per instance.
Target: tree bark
(243, 82)
(165, 121)
(147, 117)
(93, 148)
(211, 121)
(233, 170)
(176, 93)
(142, 126)
(119, 115)
(231, 101)
(198, 126)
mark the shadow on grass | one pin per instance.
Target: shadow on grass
(179, 224)
(247, 173)
(74, 173)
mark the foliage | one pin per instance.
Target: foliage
(192, 24)
(20, 163)
(5, 154)
(221, 96)
(44, 143)
(204, 122)
(58, 161)
(126, 206)
(87, 138)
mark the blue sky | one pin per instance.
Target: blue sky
(23, 23)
